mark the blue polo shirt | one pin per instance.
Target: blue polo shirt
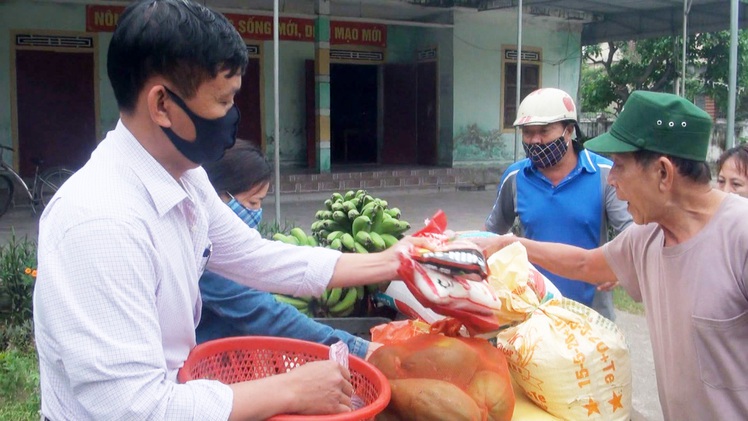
(571, 213)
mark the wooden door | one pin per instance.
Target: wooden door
(249, 102)
(427, 114)
(400, 134)
(310, 106)
(56, 108)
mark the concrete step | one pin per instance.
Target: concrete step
(400, 178)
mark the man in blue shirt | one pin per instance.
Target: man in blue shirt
(559, 192)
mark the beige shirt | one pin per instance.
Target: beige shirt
(696, 300)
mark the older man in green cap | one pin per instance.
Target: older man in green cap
(686, 256)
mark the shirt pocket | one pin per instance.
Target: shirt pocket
(721, 351)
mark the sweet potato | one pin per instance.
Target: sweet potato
(387, 360)
(431, 400)
(493, 394)
(441, 358)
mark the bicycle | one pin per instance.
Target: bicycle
(45, 184)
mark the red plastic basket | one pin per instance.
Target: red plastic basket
(242, 358)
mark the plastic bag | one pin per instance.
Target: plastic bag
(448, 276)
(434, 376)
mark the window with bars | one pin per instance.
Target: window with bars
(530, 81)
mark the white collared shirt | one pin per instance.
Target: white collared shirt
(121, 248)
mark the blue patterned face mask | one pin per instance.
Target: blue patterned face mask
(251, 217)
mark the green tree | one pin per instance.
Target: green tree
(714, 57)
(611, 71)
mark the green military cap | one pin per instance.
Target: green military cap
(657, 122)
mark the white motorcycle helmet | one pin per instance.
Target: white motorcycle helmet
(546, 106)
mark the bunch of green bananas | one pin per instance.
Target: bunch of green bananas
(297, 237)
(356, 222)
(335, 302)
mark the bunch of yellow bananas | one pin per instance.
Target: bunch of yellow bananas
(357, 222)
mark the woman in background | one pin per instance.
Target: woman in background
(242, 179)
(732, 170)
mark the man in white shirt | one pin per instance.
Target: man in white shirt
(123, 243)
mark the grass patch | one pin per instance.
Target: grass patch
(19, 385)
(624, 302)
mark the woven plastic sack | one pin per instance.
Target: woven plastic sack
(567, 358)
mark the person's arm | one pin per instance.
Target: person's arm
(502, 216)
(616, 210)
(562, 259)
(247, 311)
(361, 269)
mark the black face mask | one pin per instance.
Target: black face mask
(212, 137)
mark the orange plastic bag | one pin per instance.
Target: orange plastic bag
(435, 376)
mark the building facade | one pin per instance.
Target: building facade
(352, 90)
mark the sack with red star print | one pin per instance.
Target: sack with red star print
(567, 358)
